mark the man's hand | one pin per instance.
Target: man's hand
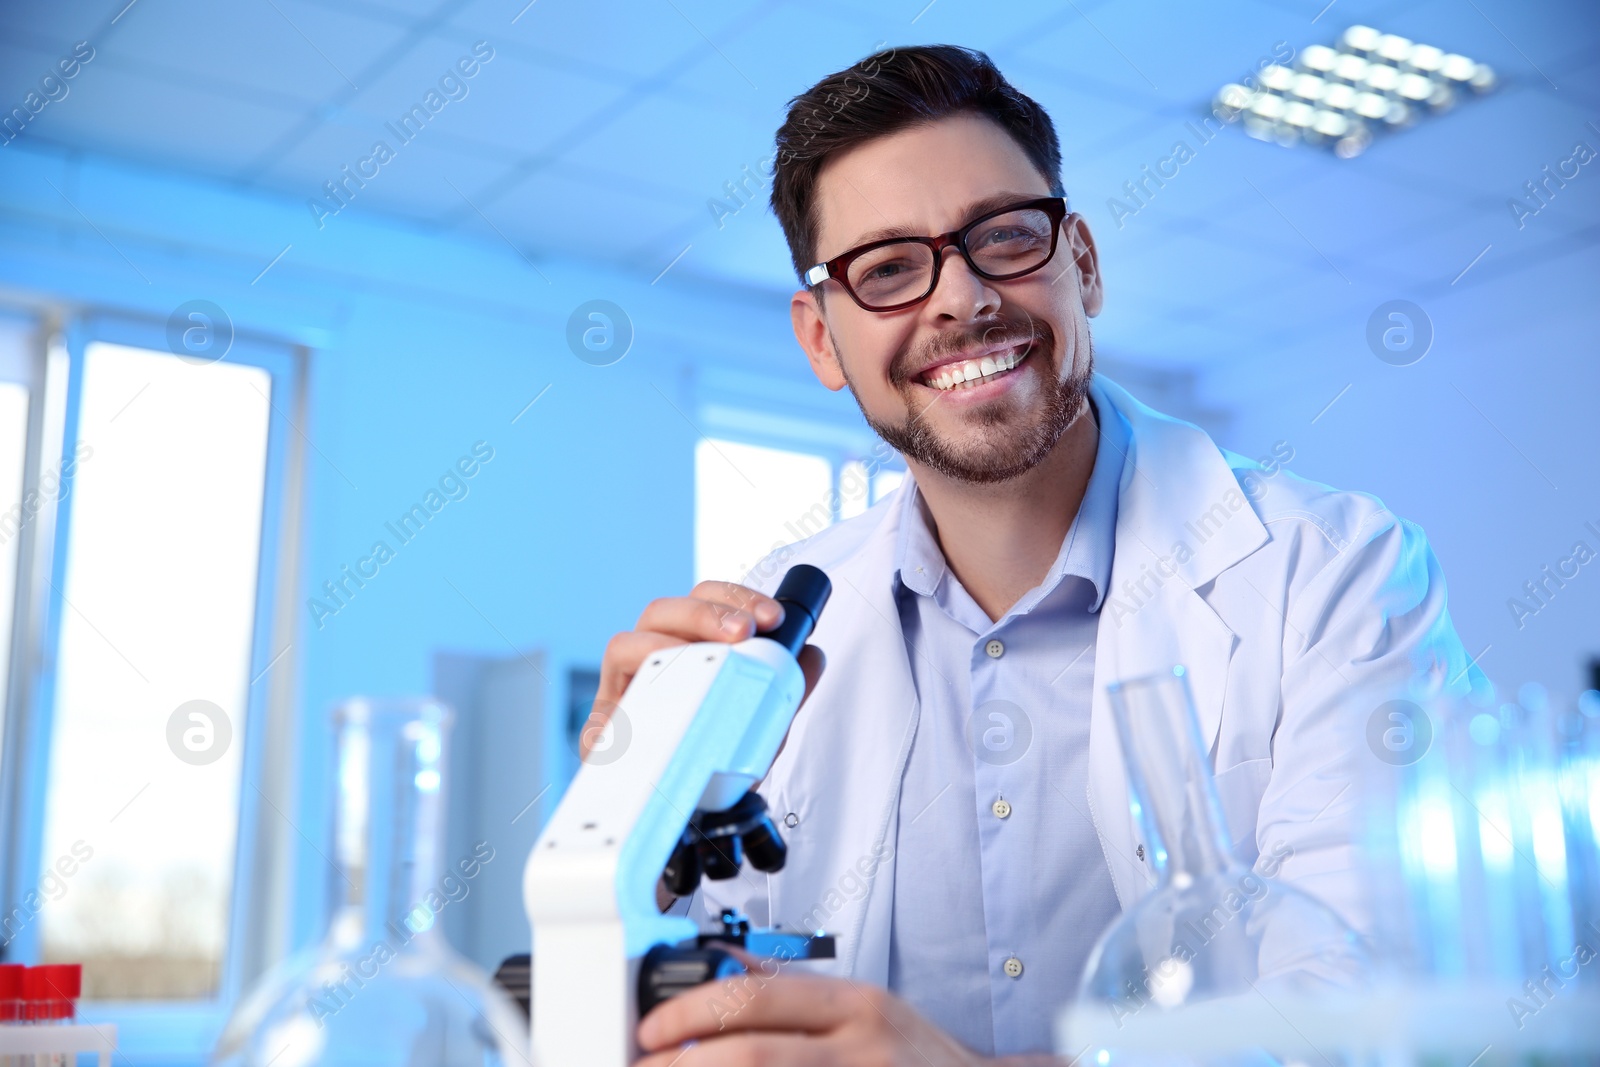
(713, 611)
(801, 1020)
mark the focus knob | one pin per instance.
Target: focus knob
(668, 970)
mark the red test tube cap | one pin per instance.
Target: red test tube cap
(51, 988)
(65, 980)
(11, 991)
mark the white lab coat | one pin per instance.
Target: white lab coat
(1297, 609)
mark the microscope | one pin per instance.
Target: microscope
(673, 801)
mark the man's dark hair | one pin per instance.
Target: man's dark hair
(882, 94)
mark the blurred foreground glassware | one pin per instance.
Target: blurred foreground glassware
(1211, 930)
(1485, 852)
(383, 988)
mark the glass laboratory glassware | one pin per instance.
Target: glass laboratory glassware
(383, 988)
(1488, 846)
(1484, 850)
(1580, 796)
(1210, 928)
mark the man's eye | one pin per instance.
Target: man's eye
(1003, 234)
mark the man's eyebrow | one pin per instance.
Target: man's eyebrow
(974, 210)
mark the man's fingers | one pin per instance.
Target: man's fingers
(696, 619)
(736, 1050)
(718, 611)
(767, 611)
(624, 653)
(796, 1003)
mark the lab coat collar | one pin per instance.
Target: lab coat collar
(1170, 539)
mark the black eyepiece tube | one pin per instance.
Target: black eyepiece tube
(803, 592)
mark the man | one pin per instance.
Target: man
(952, 790)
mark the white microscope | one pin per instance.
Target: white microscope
(698, 727)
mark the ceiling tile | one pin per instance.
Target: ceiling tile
(412, 184)
(57, 26)
(509, 103)
(562, 213)
(631, 41)
(160, 122)
(287, 46)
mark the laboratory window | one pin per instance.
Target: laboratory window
(144, 499)
(751, 498)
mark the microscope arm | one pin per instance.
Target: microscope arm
(697, 728)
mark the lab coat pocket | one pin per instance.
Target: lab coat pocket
(1239, 788)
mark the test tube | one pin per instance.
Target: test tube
(10, 1002)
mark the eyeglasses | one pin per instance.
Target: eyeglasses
(898, 272)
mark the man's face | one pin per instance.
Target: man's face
(898, 364)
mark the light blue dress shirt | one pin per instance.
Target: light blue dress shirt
(1000, 885)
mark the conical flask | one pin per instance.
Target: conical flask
(1210, 928)
(383, 988)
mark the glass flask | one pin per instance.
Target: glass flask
(383, 988)
(1211, 930)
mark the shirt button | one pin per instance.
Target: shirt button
(996, 648)
(1013, 967)
(1001, 808)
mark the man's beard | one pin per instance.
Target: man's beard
(1016, 446)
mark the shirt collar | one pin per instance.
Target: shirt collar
(1086, 549)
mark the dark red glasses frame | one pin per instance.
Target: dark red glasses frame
(838, 267)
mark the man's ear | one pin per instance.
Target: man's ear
(811, 330)
(1085, 262)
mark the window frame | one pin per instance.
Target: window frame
(261, 894)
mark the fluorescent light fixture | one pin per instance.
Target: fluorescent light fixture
(1341, 96)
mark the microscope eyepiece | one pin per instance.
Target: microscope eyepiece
(803, 592)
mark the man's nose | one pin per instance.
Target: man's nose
(961, 292)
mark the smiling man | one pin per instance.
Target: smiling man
(952, 791)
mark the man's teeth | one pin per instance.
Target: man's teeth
(971, 372)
